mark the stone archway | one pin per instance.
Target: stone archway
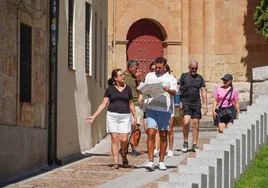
(145, 43)
(168, 25)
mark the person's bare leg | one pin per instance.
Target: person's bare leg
(123, 141)
(163, 145)
(150, 143)
(186, 127)
(171, 134)
(157, 140)
(195, 130)
(115, 146)
(222, 126)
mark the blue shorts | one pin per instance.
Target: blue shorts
(158, 120)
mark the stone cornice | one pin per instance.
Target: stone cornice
(170, 42)
(121, 42)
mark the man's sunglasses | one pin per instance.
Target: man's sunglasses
(194, 68)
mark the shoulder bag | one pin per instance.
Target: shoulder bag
(225, 113)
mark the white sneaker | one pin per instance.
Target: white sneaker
(162, 166)
(170, 153)
(150, 166)
(156, 153)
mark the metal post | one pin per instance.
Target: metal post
(52, 126)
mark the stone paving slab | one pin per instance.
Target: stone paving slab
(95, 171)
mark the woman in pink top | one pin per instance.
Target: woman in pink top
(231, 102)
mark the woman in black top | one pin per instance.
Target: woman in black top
(118, 97)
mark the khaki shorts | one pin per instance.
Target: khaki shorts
(139, 114)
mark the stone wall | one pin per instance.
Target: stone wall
(80, 94)
(22, 149)
(13, 112)
(259, 82)
(220, 34)
(23, 133)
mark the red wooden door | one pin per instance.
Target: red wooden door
(145, 44)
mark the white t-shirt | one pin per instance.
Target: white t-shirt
(163, 103)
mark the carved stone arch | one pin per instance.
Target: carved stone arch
(159, 16)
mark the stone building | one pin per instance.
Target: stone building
(25, 75)
(82, 74)
(24, 51)
(220, 34)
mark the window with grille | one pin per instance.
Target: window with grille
(25, 63)
(95, 45)
(70, 33)
(101, 62)
(87, 38)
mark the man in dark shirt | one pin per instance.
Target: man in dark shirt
(133, 79)
(190, 84)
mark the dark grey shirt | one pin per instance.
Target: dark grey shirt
(190, 88)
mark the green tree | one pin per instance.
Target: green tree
(261, 18)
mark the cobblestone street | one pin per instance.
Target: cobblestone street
(94, 170)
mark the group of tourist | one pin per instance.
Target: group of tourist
(123, 100)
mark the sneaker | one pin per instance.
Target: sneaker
(195, 148)
(156, 153)
(150, 166)
(162, 166)
(170, 153)
(135, 153)
(185, 147)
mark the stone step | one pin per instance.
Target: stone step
(176, 185)
(187, 179)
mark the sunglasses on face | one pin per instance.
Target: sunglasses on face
(194, 68)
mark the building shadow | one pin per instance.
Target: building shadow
(256, 45)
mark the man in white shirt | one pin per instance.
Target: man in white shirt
(159, 111)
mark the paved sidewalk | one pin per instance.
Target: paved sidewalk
(94, 170)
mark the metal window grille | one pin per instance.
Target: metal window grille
(25, 63)
(87, 35)
(70, 33)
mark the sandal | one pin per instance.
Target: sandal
(124, 160)
(115, 167)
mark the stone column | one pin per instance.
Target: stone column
(185, 35)
(209, 40)
(196, 31)
(121, 58)
(173, 55)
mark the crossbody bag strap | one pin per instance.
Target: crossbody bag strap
(225, 96)
(229, 101)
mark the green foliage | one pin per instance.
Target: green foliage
(257, 174)
(261, 18)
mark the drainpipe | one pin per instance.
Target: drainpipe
(53, 78)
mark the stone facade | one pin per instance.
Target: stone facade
(80, 94)
(12, 111)
(220, 34)
(23, 126)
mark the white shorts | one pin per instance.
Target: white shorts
(118, 123)
(139, 115)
